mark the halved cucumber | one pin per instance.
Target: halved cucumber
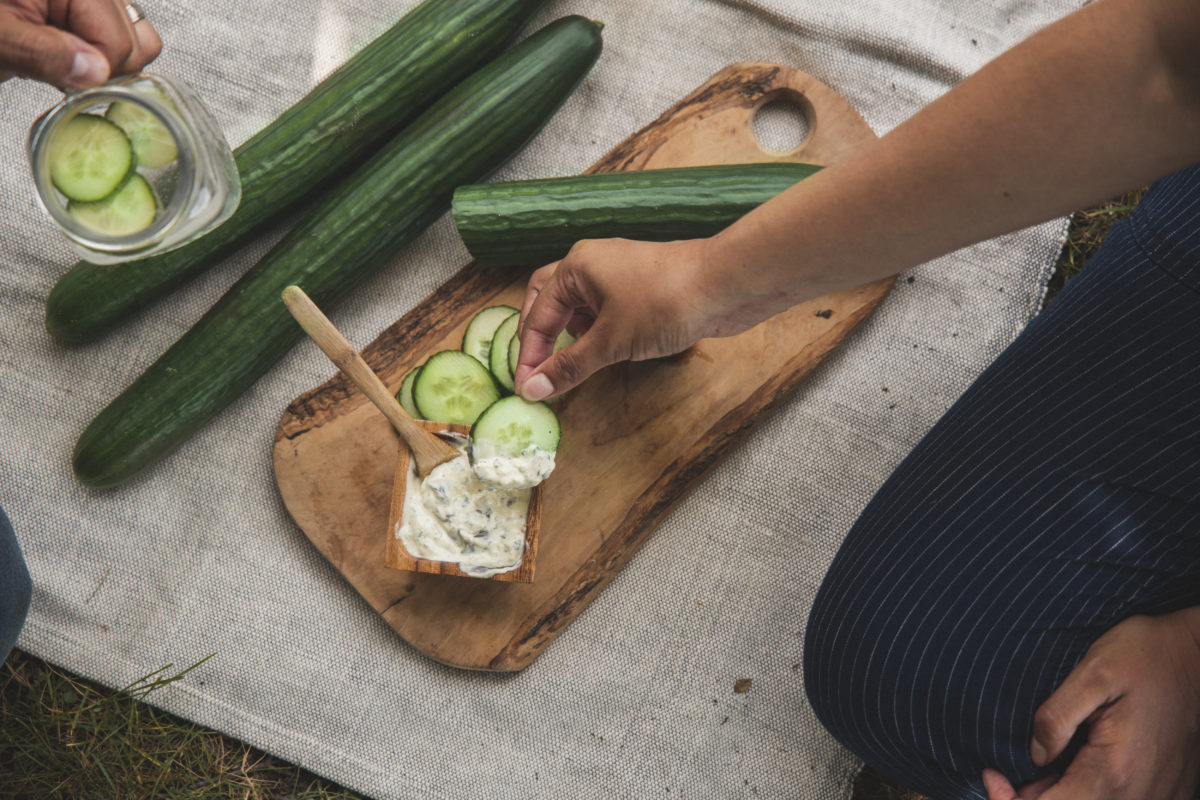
(89, 157)
(405, 395)
(514, 349)
(131, 208)
(453, 387)
(512, 425)
(153, 144)
(477, 339)
(498, 354)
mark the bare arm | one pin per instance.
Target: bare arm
(1101, 101)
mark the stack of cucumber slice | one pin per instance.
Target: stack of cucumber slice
(98, 163)
(474, 385)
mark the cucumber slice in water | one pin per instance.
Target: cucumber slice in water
(453, 387)
(89, 157)
(512, 425)
(153, 144)
(477, 339)
(405, 395)
(498, 353)
(131, 208)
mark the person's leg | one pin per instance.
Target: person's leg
(1060, 495)
(15, 588)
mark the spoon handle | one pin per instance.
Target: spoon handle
(428, 450)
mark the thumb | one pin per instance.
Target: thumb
(48, 54)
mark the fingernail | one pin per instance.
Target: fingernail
(537, 388)
(522, 371)
(1037, 752)
(87, 69)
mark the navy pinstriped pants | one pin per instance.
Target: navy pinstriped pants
(1058, 496)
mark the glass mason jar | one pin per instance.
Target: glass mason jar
(187, 165)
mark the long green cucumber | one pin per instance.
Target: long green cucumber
(537, 221)
(345, 238)
(335, 127)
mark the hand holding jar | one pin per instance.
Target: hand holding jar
(74, 44)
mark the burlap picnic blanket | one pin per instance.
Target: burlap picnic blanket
(637, 697)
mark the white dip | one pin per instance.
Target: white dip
(529, 469)
(454, 516)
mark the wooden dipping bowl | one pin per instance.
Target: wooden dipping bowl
(398, 557)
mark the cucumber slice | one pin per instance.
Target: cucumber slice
(153, 144)
(512, 425)
(453, 387)
(477, 339)
(89, 157)
(405, 395)
(514, 349)
(498, 353)
(131, 208)
(514, 355)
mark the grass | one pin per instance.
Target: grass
(65, 737)
(1088, 231)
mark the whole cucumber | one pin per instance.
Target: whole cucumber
(537, 221)
(335, 127)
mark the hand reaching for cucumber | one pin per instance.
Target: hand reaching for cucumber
(624, 300)
(73, 44)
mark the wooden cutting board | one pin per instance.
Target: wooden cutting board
(636, 437)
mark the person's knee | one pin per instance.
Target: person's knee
(16, 588)
(846, 679)
(900, 674)
(17, 594)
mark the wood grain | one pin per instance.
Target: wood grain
(636, 436)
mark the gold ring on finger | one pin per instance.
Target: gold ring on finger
(135, 12)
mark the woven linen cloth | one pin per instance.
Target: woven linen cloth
(636, 697)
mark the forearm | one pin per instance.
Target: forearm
(1102, 101)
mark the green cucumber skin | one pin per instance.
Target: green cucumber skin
(345, 238)
(321, 138)
(537, 221)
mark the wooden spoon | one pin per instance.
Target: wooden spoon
(427, 448)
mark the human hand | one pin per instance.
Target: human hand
(624, 300)
(1137, 690)
(72, 44)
